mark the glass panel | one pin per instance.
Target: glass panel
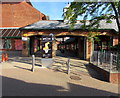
(7, 44)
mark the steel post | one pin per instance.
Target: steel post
(33, 62)
(68, 66)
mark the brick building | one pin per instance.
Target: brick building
(81, 45)
(35, 24)
(15, 15)
(22, 28)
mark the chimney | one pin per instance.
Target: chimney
(47, 18)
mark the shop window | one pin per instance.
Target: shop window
(6, 44)
(18, 44)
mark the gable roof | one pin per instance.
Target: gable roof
(58, 24)
(19, 14)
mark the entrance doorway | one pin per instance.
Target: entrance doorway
(65, 46)
(71, 46)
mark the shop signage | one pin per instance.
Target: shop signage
(24, 38)
(47, 46)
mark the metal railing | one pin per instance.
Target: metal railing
(106, 60)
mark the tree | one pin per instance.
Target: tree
(95, 12)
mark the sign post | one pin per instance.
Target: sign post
(47, 46)
(47, 50)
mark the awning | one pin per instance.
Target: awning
(10, 33)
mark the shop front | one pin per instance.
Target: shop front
(40, 46)
(10, 39)
(79, 42)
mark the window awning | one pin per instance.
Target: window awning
(10, 33)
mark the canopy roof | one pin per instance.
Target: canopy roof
(49, 24)
(59, 24)
(10, 33)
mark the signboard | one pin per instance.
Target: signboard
(24, 38)
(47, 46)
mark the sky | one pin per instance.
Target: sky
(52, 9)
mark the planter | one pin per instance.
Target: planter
(112, 77)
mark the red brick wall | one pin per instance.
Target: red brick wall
(115, 78)
(19, 14)
(109, 77)
(6, 14)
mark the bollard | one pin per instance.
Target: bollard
(68, 66)
(33, 62)
(6, 57)
(3, 57)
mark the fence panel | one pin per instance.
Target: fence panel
(106, 60)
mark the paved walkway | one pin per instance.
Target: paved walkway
(18, 80)
(77, 67)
